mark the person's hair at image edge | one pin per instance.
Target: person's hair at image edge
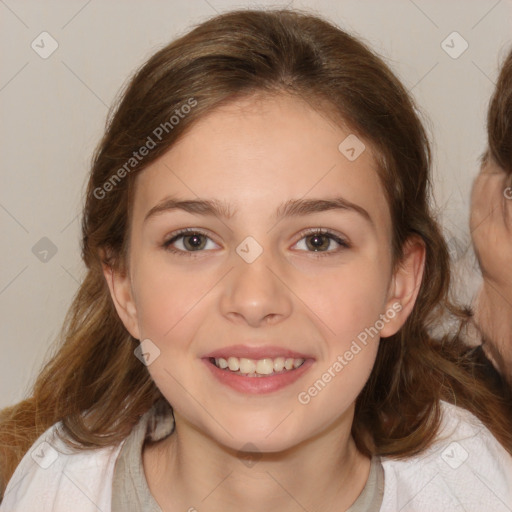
(499, 119)
(231, 56)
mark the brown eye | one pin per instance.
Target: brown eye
(194, 242)
(318, 242)
(321, 240)
(188, 241)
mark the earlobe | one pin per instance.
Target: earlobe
(405, 286)
(120, 290)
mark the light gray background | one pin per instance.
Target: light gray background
(53, 113)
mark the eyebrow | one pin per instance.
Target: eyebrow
(292, 208)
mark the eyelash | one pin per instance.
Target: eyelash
(167, 245)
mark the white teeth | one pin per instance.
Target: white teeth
(233, 363)
(266, 366)
(247, 365)
(278, 364)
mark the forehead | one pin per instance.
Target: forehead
(265, 150)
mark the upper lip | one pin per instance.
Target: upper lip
(260, 352)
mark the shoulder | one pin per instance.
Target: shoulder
(54, 477)
(464, 469)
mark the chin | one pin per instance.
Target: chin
(262, 437)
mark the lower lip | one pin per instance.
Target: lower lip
(258, 385)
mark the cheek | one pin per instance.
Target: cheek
(165, 298)
(349, 300)
(349, 309)
(339, 378)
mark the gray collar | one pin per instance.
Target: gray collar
(130, 491)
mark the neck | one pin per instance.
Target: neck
(189, 470)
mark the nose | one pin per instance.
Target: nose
(256, 293)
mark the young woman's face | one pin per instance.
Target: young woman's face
(252, 281)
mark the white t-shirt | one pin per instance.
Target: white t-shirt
(464, 470)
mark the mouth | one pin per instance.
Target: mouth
(257, 369)
(265, 367)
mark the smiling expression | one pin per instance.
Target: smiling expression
(288, 245)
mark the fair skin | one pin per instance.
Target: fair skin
(255, 155)
(491, 231)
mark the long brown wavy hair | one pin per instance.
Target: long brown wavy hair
(97, 387)
(499, 118)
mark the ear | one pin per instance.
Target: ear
(121, 292)
(404, 286)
